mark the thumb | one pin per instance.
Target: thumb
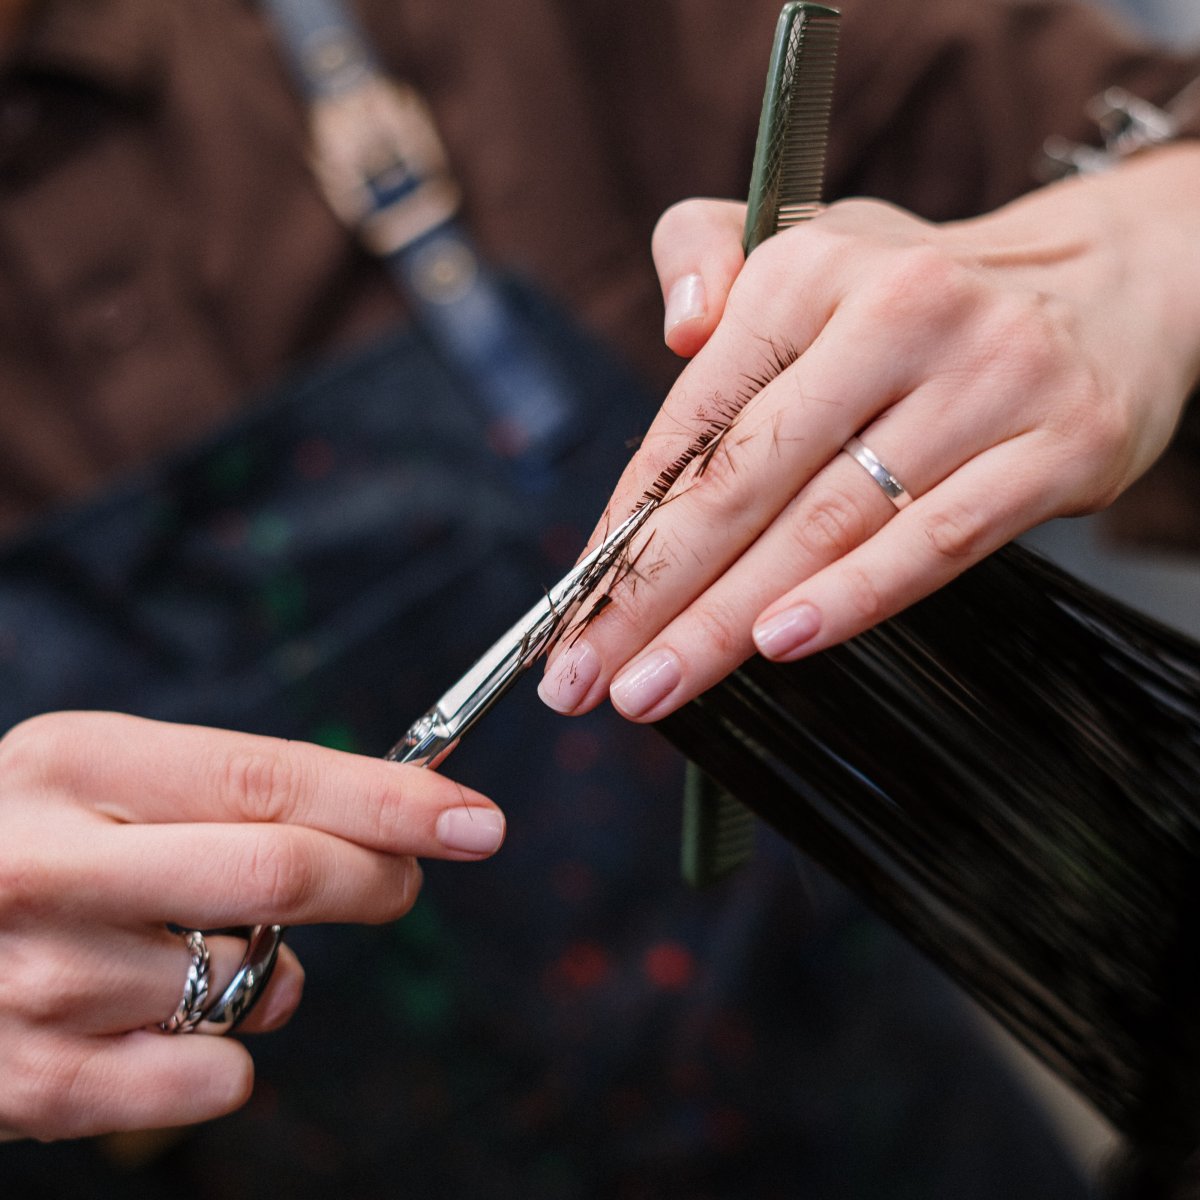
(697, 250)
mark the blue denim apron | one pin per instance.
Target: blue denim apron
(566, 1020)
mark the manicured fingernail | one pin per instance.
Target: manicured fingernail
(786, 632)
(646, 683)
(570, 678)
(471, 830)
(686, 301)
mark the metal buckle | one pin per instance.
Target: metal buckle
(1128, 124)
(381, 164)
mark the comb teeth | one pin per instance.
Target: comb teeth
(785, 188)
(789, 159)
(718, 831)
(804, 111)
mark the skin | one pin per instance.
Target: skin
(113, 826)
(1028, 364)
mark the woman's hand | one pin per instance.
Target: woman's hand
(111, 827)
(1006, 370)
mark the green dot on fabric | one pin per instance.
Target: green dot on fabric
(336, 737)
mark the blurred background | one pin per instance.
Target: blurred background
(1171, 18)
(1178, 18)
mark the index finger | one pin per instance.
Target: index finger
(135, 770)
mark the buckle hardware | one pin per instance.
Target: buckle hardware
(381, 163)
(1127, 123)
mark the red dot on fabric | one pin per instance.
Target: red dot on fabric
(669, 966)
(583, 965)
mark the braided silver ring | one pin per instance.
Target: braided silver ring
(891, 487)
(247, 985)
(190, 1009)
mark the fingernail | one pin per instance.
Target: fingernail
(685, 302)
(786, 632)
(570, 678)
(646, 684)
(471, 830)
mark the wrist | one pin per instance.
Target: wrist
(1155, 197)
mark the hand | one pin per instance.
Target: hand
(110, 827)
(1009, 369)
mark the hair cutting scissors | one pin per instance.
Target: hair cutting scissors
(430, 738)
(784, 188)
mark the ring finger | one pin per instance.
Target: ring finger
(839, 509)
(135, 979)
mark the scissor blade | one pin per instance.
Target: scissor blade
(520, 645)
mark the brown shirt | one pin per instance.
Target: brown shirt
(164, 250)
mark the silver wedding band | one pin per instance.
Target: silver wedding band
(891, 487)
(190, 1009)
(248, 984)
(194, 1014)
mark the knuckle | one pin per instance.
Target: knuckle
(381, 812)
(863, 597)
(281, 876)
(957, 534)
(718, 490)
(29, 750)
(40, 986)
(721, 486)
(924, 284)
(264, 781)
(723, 632)
(30, 884)
(832, 527)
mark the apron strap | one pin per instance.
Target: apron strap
(385, 173)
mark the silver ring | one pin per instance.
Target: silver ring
(247, 985)
(891, 487)
(190, 1010)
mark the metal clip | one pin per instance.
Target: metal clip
(1128, 125)
(381, 163)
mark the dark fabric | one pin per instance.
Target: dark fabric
(567, 1020)
(252, 581)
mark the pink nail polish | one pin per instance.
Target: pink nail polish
(646, 684)
(786, 632)
(570, 677)
(471, 830)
